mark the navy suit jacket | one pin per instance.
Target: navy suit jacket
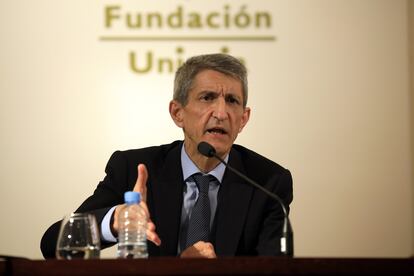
(247, 221)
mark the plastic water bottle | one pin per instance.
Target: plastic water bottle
(132, 221)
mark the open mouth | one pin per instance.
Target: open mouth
(216, 130)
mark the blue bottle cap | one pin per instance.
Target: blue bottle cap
(132, 197)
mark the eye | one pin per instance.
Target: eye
(207, 97)
(232, 100)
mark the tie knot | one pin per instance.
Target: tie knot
(203, 182)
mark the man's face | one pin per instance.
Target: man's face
(214, 112)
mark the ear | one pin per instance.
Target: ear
(245, 118)
(176, 113)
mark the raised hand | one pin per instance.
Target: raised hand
(141, 187)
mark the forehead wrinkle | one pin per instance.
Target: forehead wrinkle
(225, 90)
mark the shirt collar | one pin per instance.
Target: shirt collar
(189, 168)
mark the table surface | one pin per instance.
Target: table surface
(224, 265)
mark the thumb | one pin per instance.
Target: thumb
(141, 184)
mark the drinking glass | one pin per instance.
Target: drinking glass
(78, 237)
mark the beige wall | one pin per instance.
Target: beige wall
(330, 99)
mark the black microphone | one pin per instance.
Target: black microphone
(286, 241)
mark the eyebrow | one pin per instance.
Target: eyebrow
(232, 94)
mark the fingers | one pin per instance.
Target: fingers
(141, 187)
(200, 249)
(141, 184)
(151, 234)
(206, 249)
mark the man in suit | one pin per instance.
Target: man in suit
(209, 104)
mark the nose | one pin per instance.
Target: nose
(220, 109)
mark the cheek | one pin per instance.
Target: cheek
(204, 116)
(194, 123)
(197, 119)
(238, 125)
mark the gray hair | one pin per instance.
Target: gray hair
(223, 63)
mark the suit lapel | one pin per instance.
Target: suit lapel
(233, 201)
(167, 192)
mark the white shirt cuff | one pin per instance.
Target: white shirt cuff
(106, 227)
